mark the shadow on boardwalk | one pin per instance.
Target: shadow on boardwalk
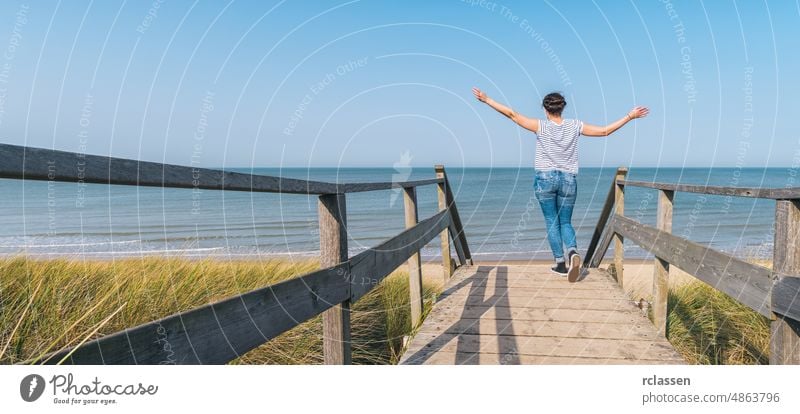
(499, 301)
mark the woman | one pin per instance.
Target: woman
(556, 166)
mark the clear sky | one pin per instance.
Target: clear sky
(373, 83)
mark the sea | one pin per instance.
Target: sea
(501, 216)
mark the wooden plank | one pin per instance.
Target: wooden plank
(414, 262)
(494, 285)
(485, 358)
(456, 218)
(515, 283)
(503, 301)
(516, 302)
(536, 269)
(336, 343)
(544, 273)
(219, 332)
(752, 192)
(661, 266)
(542, 292)
(553, 289)
(602, 221)
(539, 314)
(486, 326)
(447, 267)
(362, 187)
(369, 267)
(747, 283)
(546, 346)
(785, 330)
(619, 209)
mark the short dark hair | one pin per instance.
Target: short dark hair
(554, 103)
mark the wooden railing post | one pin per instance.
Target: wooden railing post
(333, 250)
(619, 209)
(457, 233)
(593, 256)
(447, 266)
(661, 266)
(414, 263)
(785, 332)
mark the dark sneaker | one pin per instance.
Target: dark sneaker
(560, 269)
(574, 270)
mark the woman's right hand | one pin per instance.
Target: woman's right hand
(479, 94)
(638, 112)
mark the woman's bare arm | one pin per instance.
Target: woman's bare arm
(521, 120)
(604, 131)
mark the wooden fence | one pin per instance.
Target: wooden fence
(220, 332)
(774, 293)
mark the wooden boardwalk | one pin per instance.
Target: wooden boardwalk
(524, 314)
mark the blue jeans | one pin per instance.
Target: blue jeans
(556, 191)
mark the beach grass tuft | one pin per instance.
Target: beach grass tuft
(46, 305)
(707, 326)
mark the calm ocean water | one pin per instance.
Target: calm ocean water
(500, 214)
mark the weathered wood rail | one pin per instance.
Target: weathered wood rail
(774, 293)
(220, 332)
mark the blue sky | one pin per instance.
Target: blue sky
(361, 83)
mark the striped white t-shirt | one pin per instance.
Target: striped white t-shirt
(557, 145)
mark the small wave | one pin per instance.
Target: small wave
(137, 252)
(29, 246)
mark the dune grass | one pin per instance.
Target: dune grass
(708, 327)
(46, 305)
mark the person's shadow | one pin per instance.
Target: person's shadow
(467, 327)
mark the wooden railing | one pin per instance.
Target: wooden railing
(774, 293)
(220, 332)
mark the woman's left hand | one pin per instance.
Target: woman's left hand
(479, 94)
